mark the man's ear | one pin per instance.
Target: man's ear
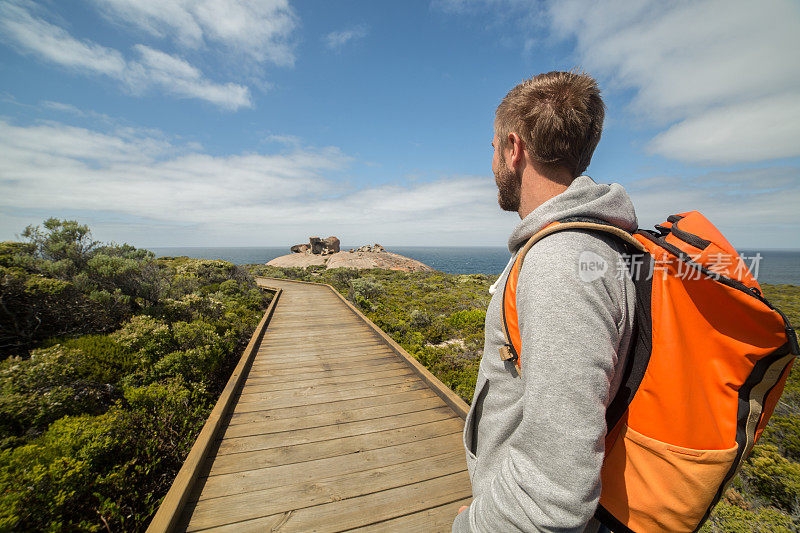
(517, 147)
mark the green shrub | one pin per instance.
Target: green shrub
(363, 291)
(421, 319)
(446, 364)
(90, 473)
(37, 307)
(106, 359)
(150, 338)
(54, 382)
(470, 320)
(783, 432)
(772, 477)
(75, 453)
(729, 518)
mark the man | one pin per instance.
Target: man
(535, 440)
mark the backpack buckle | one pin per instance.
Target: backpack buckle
(791, 336)
(506, 354)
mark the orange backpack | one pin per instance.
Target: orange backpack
(707, 364)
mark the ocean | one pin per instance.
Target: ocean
(773, 266)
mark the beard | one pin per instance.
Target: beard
(509, 184)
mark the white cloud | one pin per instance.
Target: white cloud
(754, 208)
(500, 8)
(256, 198)
(138, 174)
(153, 70)
(29, 150)
(698, 63)
(736, 133)
(335, 40)
(175, 76)
(33, 34)
(61, 106)
(286, 140)
(259, 29)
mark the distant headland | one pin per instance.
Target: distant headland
(326, 252)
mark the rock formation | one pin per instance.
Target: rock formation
(367, 248)
(326, 252)
(318, 246)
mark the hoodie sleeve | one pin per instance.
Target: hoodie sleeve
(570, 324)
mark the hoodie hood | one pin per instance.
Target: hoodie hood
(583, 198)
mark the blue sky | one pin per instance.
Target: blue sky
(261, 123)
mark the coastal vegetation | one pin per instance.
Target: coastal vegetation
(111, 362)
(439, 319)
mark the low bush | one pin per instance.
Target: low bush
(105, 472)
(113, 362)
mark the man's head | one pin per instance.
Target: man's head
(557, 119)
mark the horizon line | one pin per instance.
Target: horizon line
(387, 246)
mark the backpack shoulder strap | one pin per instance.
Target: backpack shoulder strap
(513, 347)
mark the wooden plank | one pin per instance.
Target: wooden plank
(300, 392)
(239, 507)
(283, 358)
(300, 358)
(326, 347)
(245, 406)
(314, 387)
(265, 361)
(331, 419)
(289, 334)
(283, 455)
(323, 349)
(311, 346)
(318, 363)
(325, 313)
(233, 445)
(324, 367)
(278, 476)
(333, 320)
(292, 337)
(322, 301)
(330, 318)
(330, 407)
(301, 383)
(362, 510)
(289, 355)
(430, 520)
(283, 375)
(327, 316)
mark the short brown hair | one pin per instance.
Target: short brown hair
(559, 116)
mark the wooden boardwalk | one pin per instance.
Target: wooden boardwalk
(333, 428)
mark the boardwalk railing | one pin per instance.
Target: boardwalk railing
(450, 398)
(169, 511)
(326, 424)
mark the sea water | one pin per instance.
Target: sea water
(773, 266)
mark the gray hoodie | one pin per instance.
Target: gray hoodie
(535, 441)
